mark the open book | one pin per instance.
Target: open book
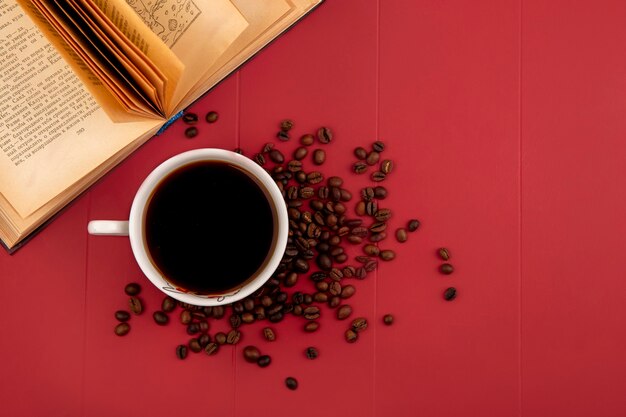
(83, 83)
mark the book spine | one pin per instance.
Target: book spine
(169, 122)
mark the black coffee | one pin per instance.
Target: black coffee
(209, 227)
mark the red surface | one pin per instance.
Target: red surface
(505, 120)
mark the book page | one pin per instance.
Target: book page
(52, 132)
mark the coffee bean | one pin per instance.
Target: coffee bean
(122, 315)
(324, 135)
(269, 334)
(334, 301)
(382, 215)
(300, 265)
(191, 132)
(388, 319)
(291, 279)
(311, 326)
(359, 324)
(259, 159)
(135, 305)
(359, 167)
(377, 176)
(401, 235)
(132, 289)
(307, 140)
(349, 271)
(291, 383)
(347, 291)
(264, 361)
(380, 192)
(220, 338)
(160, 318)
(308, 299)
(378, 237)
(218, 312)
(319, 156)
(311, 313)
(314, 177)
(168, 304)
(372, 158)
(360, 208)
(300, 153)
(444, 253)
(267, 148)
(211, 348)
(324, 262)
(211, 117)
(351, 336)
(344, 312)
(371, 250)
(193, 328)
(378, 146)
(276, 156)
(378, 227)
(367, 193)
(359, 231)
(235, 321)
(386, 166)
(387, 255)
(335, 288)
(335, 274)
(355, 240)
(370, 266)
(311, 352)
(446, 269)
(320, 297)
(194, 345)
(335, 182)
(360, 153)
(282, 136)
(247, 317)
(286, 125)
(371, 207)
(413, 225)
(360, 273)
(251, 354)
(248, 304)
(205, 339)
(122, 329)
(233, 337)
(181, 352)
(449, 294)
(185, 317)
(318, 276)
(190, 118)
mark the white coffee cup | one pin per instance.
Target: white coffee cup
(134, 227)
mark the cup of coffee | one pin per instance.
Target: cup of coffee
(207, 227)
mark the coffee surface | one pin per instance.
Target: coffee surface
(209, 227)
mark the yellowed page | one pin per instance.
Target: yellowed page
(197, 31)
(52, 132)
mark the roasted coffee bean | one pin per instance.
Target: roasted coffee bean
(359, 231)
(336, 250)
(334, 301)
(300, 153)
(378, 146)
(168, 304)
(345, 195)
(335, 274)
(251, 354)
(380, 192)
(359, 167)
(135, 305)
(246, 317)
(314, 177)
(233, 337)
(319, 157)
(347, 291)
(160, 318)
(268, 147)
(194, 345)
(294, 166)
(275, 318)
(341, 258)
(311, 352)
(449, 294)
(307, 192)
(311, 313)
(316, 205)
(401, 235)
(181, 352)
(191, 132)
(276, 156)
(367, 193)
(388, 319)
(360, 273)
(132, 289)
(297, 310)
(359, 324)
(300, 265)
(320, 297)
(334, 240)
(370, 265)
(387, 255)
(334, 288)
(193, 328)
(335, 182)
(446, 269)
(235, 321)
(291, 279)
(308, 299)
(324, 262)
(259, 313)
(291, 383)
(185, 317)
(378, 227)
(383, 214)
(300, 177)
(371, 250)
(360, 208)
(266, 301)
(355, 240)
(444, 253)
(372, 158)
(348, 271)
(211, 348)
(122, 315)
(238, 307)
(378, 237)
(218, 312)
(340, 209)
(264, 361)
(344, 312)
(360, 153)
(259, 159)
(371, 207)
(334, 195)
(307, 140)
(322, 286)
(276, 308)
(211, 117)
(205, 339)
(386, 166)
(311, 326)
(282, 136)
(377, 176)
(122, 329)
(413, 225)
(324, 135)
(331, 220)
(351, 336)
(220, 338)
(269, 334)
(323, 192)
(286, 125)
(248, 304)
(190, 118)
(363, 259)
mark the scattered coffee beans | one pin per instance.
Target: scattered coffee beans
(401, 235)
(286, 125)
(449, 294)
(181, 352)
(269, 334)
(291, 383)
(211, 117)
(122, 329)
(413, 225)
(251, 354)
(191, 132)
(135, 305)
(190, 118)
(388, 319)
(264, 361)
(444, 253)
(319, 156)
(446, 269)
(160, 318)
(132, 289)
(351, 336)
(122, 315)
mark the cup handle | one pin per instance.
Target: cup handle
(108, 227)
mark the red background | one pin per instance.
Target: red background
(506, 122)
